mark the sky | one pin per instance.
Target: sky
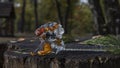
(84, 1)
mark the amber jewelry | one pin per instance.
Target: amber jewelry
(51, 28)
(46, 29)
(46, 49)
(55, 26)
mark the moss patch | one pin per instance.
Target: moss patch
(108, 40)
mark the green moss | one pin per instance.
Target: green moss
(108, 40)
(104, 40)
(68, 38)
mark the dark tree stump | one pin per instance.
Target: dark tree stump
(15, 57)
(3, 48)
(14, 60)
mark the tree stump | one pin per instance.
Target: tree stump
(17, 56)
(3, 48)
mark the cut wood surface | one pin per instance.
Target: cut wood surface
(75, 55)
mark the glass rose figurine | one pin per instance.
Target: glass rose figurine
(50, 36)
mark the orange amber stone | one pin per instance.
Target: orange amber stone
(51, 29)
(55, 26)
(46, 49)
(46, 29)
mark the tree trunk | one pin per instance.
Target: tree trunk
(66, 16)
(63, 19)
(11, 0)
(98, 16)
(112, 10)
(22, 21)
(59, 12)
(111, 14)
(36, 13)
(9, 27)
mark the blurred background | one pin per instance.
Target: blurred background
(78, 17)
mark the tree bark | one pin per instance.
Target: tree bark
(36, 13)
(59, 12)
(112, 16)
(22, 21)
(66, 16)
(112, 10)
(98, 16)
(9, 27)
(10, 0)
(63, 19)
